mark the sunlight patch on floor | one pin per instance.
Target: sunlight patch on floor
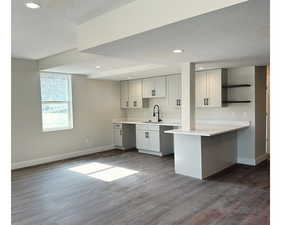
(113, 173)
(90, 168)
(103, 172)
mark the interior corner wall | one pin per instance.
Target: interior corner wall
(260, 111)
(95, 104)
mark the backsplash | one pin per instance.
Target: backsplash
(167, 113)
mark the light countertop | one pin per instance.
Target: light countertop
(164, 123)
(202, 127)
(211, 129)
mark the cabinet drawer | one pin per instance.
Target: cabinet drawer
(117, 125)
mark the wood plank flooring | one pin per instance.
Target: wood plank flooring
(52, 194)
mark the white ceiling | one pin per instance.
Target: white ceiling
(52, 28)
(236, 33)
(234, 36)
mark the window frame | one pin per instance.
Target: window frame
(69, 102)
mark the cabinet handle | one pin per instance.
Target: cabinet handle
(135, 103)
(127, 103)
(153, 92)
(204, 101)
(146, 134)
(207, 101)
(121, 133)
(177, 102)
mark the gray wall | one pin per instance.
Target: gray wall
(95, 104)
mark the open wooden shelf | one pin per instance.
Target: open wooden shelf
(236, 85)
(247, 101)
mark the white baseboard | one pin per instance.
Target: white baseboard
(246, 161)
(261, 158)
(54, 158)
(253, 162)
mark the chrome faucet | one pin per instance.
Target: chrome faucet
(158, 112)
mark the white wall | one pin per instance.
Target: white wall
(95, 104)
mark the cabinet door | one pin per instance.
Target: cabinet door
(159, 87)
(174, 90)
(154, 141)
(135, 102)
(200, 88)
(117, 137)
(214, 88)
(135, 88)
(124, 94)
(124, 103)
(142, 139)
(124, 89)
(147, 87)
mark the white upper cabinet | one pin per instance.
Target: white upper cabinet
(200, 88)
(135, 88)
(154, 87)
(174, 90)
(135, 94)
(214, 88)
(124, 98)
(208, 87)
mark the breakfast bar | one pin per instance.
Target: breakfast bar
(207, 149)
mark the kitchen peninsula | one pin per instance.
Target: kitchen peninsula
(207, 149)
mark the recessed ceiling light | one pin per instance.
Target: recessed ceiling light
(178, 51)
(98, 67)
(32, 5)
(201, 68)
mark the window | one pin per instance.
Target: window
(56, 101)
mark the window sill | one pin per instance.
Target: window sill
(56, 129)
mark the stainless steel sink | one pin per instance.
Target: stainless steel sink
(149, 121)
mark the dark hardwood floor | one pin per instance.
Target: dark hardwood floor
(57, 193)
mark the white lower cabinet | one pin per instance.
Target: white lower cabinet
(151, 139)
(148, 140)
(124, 136)
(117, 137)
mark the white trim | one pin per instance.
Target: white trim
(150, 152)
(246, 161)
(261, 158)
(253, 162)
(54, 158)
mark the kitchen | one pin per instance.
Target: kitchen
(227, 104)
